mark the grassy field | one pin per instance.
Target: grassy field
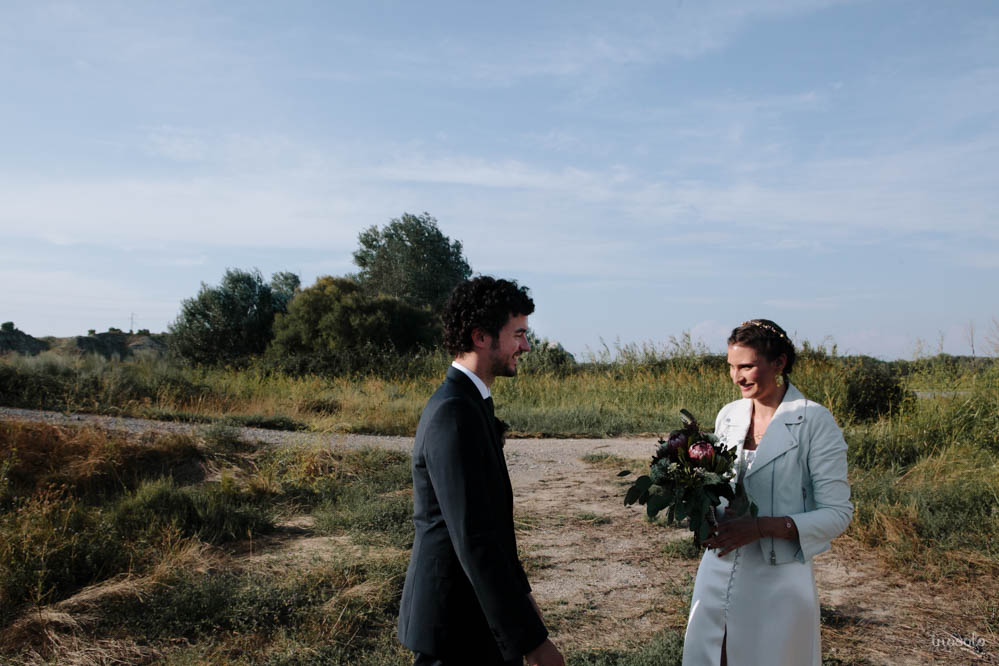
(638, 393)
(115, 546)
(181, 551)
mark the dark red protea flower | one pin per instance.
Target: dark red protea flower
(677, 440)
(701, 454)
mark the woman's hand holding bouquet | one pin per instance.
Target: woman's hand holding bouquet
(689, 474)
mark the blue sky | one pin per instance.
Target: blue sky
(646, 168)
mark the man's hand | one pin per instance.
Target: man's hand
(545, 654)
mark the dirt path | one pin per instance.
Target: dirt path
(604, 578)
(603, 574)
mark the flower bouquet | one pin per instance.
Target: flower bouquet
(689, 474)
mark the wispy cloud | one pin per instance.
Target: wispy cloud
(554, 42)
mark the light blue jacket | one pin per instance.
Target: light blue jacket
(799, 471)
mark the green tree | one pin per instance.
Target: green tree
(411, 259)
(232, 321)
(337, 316)
(284, 286)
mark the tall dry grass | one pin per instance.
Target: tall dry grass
(117, 549)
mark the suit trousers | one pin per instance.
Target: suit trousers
(428, 660)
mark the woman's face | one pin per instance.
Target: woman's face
(755, 376)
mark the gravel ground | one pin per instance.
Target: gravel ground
(136, 426)
(522, 452)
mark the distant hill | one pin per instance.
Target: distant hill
(13, 340)
(112, 343)
(107, 344)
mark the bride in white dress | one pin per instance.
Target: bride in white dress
(754, 601)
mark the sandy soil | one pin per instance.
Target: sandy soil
(603, 577)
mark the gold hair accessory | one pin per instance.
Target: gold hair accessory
(760, 324)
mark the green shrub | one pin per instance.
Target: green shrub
(336, 318)
(50, 545)
(154, 506)
(546, 357)
(215, 513)
(377, 505)
(94, 383)
(370, 517)
(872, 389)
(227, 513)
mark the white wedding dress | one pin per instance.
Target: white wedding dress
(771, 613)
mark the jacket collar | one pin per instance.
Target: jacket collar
(479, 384)
(781, 435)
(464, 382)
(471, 391)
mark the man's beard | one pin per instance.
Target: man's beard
(500, 366)
(502, 369)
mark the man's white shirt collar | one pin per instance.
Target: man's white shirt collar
(483, 389)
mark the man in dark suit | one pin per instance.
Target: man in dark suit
(466, 600)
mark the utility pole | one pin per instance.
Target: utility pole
(131, 324)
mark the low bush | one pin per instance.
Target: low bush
(214, 513)
(371, 518)
(546, 357)
(872, 389)
(50, 545)
(377, 508)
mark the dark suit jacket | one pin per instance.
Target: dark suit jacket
(465, 591)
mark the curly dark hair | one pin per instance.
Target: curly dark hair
(483, 302)
(767, 338)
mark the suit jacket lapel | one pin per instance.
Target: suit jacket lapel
(781, 434)
(466, 385)
(494, 440)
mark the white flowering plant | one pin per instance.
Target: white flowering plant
(689, 474)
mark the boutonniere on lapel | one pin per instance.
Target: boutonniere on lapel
(689, 474)
(501, 428)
